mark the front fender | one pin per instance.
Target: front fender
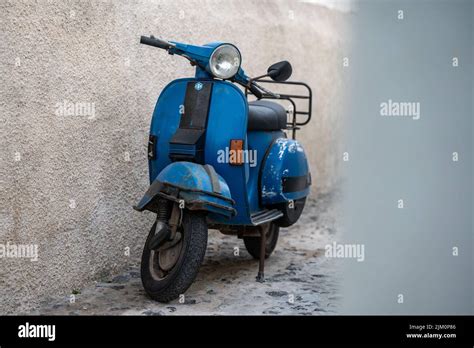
(199, 186)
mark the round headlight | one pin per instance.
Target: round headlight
(225, 61)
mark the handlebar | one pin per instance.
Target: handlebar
(256, 89)
(153, 41)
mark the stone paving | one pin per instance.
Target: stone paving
(299, 279)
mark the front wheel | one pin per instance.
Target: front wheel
(168, 273)
(252, 244)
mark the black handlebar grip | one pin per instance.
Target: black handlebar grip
(152, 41)
(255, 91)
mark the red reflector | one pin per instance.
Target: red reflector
(236, 152)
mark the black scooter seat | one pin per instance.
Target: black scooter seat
(265, 115)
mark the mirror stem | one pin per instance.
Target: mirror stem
(259, 77)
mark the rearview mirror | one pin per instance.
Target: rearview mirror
(280, 71)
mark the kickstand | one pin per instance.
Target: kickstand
(261, 264)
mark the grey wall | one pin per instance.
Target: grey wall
(68, 182)
(409, 251)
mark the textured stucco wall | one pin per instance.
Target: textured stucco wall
(68, 182)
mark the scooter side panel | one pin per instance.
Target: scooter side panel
(164, 123)
(227, 121)
(285, 174)
(259, 145)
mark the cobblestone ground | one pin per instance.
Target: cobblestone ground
(299, 279)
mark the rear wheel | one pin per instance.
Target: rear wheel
(252, 244)
(168, 273)
(291, 212)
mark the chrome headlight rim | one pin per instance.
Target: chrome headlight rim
(212, 67)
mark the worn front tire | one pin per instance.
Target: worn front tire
(164, 286)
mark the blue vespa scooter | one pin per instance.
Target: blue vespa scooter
(218, 161)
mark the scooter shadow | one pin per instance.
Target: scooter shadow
(227, 267)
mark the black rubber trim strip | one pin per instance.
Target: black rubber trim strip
(193, 123)
(216, 187)
(196, 105)
(295, 183)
